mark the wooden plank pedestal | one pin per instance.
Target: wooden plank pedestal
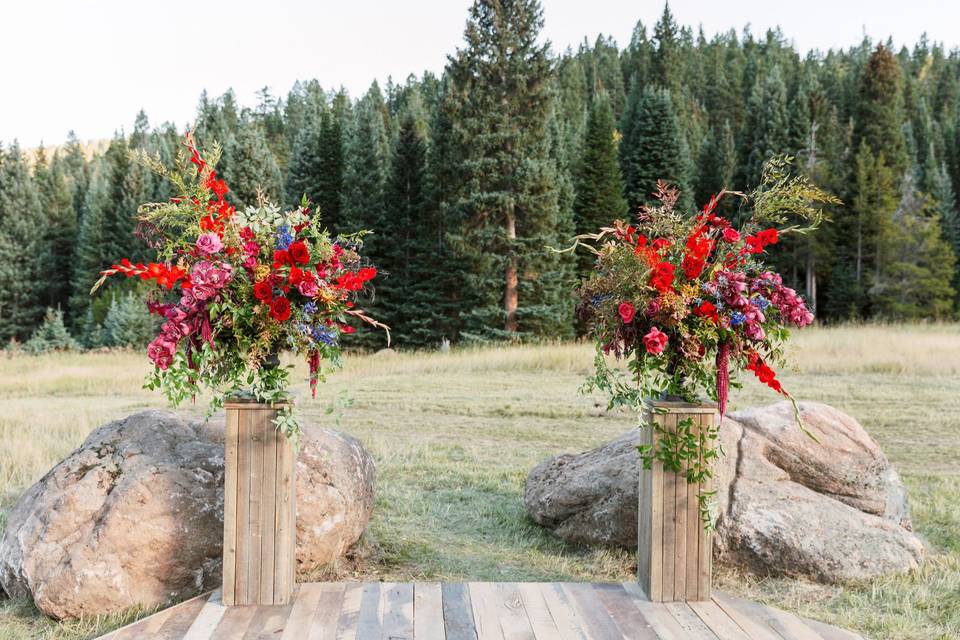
(259, 516)
(674, 551)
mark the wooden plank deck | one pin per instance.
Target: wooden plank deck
(477, 611)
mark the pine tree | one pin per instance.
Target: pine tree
(330, 187)
(667, 62)
(508, 201)
(879, 118)
(21, 233)
(406, 258)
(599, 184)
(653, 147)
(128, 322)
(249, 165)
(52, 335)
(366, 159)
(767, 126)
(59, 230)
(90, 254)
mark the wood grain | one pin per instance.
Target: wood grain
(428, 611)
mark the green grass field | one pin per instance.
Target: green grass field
(455, 434)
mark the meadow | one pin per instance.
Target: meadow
(454, 435)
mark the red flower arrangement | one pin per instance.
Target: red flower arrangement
(236, 287)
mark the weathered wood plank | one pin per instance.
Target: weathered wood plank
(208, 618)
(644, 524)
(286, 527)
(691, 623)
(268, 522)
(485, 614)
(786, 625)
(350, 611)
(659, 619)
(625, 614)
(397, 604)
(669, 501)
(326, 612)
(705, 543)
(234, 624)
(756, 629)
(694, 526)
(181, 618)
(255, 533)
(458, 622)
(268, 622)
(562, 611)
(514, 623)
(538, 613)
(828, 632)
(680, 553)
(369, 620)
(301, 615)
(428, 611)
(242, 523)
(718, 621)
(230, 450)
(597, 623)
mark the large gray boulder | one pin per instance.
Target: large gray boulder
(833, 511)
(135, 515)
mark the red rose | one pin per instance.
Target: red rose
(296, 275)
(627, 311)
(662, 276)
(707, 310)
(280, 309)
(299, 253)
(263, 291)
(731, 235)
(655, 341)
(280, 258)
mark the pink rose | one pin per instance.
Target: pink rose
(627, 312)
(209, 244)
(731, 235)
(308, 288)
(655, 341)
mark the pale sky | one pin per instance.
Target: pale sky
(91, 65)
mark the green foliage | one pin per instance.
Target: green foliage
(51, 335)
(128, 322)
(599, 185)
(653, 147)
(249, 165)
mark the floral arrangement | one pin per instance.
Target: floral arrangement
(689, 301)
(236, 287)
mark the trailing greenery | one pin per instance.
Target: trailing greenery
(512, 133)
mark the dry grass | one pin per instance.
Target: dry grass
(455, 434)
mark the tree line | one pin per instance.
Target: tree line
(468, 176)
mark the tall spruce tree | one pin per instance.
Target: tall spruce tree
(21, 234)
(508, 201)
(249, 164)
(91, 254)
(767, 125)
(879, 116)
(59, 230)
(599, 183)
(653, 147)
(329, 187)
(366, 161)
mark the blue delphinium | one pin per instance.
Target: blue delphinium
(761, 302)
(737, 318)
(310, 308)
(325, 335)
(284, 237)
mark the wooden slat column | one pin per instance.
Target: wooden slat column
(259, 518)
(674, 551)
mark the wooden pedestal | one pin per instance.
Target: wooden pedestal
(674, 551)
(259, 517)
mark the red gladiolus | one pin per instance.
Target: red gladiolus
(280, 309)
(299, 253)
(627, 312)
(662, 277)
(367, 273)
(765, 374)
(263, 291)
(655, 341)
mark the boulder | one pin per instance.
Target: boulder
(834, 511)
(135, 515)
